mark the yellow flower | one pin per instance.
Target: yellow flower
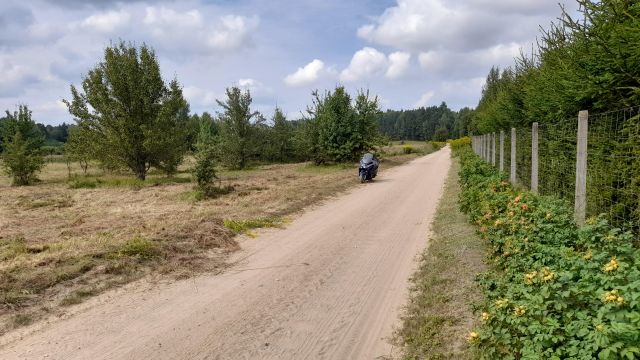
(611, 265)
(613, 297)
(498, 222)
(519, 310)
(473, 337)
(485, 316)
(547, 274)
(600, 327)
(530, 277)
(548, 216)
(502, 303)
(588, 255)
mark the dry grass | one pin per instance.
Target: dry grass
(61, 243)
(439, 315)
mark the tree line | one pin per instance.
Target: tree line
(591, 62)
(128, 117)
(437, 123)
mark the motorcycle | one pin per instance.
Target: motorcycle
(368, 167)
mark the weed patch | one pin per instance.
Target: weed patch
(139, 247)
(243, 226)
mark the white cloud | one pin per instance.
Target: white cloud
(247, 83)
(365, 63)
(201, 97)
(425, 99)
(462, 64)
(188, 29)
(232, 32)
(108, 21)
(398, 64)
(165, 18)
(305, 75)
(430, 25)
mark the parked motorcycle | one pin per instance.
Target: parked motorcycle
(368, 167)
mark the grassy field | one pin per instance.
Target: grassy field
(439, 316)
(72, 236)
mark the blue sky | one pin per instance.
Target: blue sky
(410, 53)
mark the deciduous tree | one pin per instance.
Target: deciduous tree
(136, 119)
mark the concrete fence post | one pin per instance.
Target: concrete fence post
(484, 147)
(501, 150)
(581, 168)
(488, 154)
(512, 174)
(493, 149)
(534, 157)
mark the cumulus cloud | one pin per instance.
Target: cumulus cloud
(305, 75)
(166, 19)
(201, 97)
(461, 64)
(428, 25)
(108, 21)
(398, 64)
(424, 99)
(188, 29)
(232, 32)
(365, 63)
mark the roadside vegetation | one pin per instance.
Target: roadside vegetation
(553, 290)
(439, 315)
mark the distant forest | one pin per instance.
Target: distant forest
(437, 123)
(431, 123)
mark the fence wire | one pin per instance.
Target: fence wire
(557, 165)
(613, 163)
(613, 167)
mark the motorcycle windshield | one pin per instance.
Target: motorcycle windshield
(367, 160)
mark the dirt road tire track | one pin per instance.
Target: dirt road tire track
(329, 286)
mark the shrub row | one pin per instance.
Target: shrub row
(553, 291)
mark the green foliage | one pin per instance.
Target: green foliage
(22, 146)
(203, 170)
(340, 130)
(460, 143)
(279, 145)
(237, 132)
(243, 226)
(554, 291)
(430, 123)
(135, 119)
(138, 247)
(441, 134)
(80, 146)
(590, 63)
(408, 149)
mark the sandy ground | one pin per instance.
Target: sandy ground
(329, 286)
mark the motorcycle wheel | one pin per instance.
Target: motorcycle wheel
(363, 177)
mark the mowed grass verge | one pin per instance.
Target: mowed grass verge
(64, 240)
(439, 315)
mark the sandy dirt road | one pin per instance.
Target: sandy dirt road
(329, 286)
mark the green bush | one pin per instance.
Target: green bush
(408, 149)
(458, 144)
(554, 291)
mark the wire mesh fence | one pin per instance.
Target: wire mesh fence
(613, 170)
(613, 163)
